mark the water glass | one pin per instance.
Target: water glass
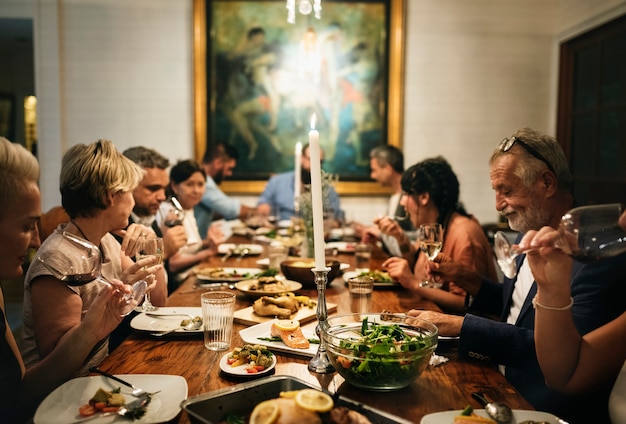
(277, 253)
(363, 257)
(361, 289)
(218, 309)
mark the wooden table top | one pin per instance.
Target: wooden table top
(444, 387)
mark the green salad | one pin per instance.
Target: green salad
(383, 355)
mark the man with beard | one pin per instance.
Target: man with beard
(530, 176)
(218, 163)
(278, 196)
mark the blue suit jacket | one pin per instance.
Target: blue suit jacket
(599, 292)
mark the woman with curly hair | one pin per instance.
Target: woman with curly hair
(431, 195)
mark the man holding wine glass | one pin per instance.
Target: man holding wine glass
(532, 182)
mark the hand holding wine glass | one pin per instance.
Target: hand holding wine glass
(586, 233)
(77, 261)
(175, 214)
(149, 248)
(430, 238)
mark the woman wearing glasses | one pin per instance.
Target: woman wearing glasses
(431, 195)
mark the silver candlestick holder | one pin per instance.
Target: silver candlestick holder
(320, 363)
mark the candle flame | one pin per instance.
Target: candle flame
(313, 119)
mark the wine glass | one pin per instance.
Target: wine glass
(80, 264)
(430, 238)
(586, 233)
(146, 248)
(175, 214)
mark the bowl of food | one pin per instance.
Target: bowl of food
(300, 270)
(380, 352)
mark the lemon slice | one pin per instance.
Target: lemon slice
(314, 400)
(265, 413)
(290, 394)
(287, 324)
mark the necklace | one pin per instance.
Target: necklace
(78, 228)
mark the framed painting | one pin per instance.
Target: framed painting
(262, 71)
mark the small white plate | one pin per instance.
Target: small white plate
(519, 415)
(230, 274)
(254, 249)
(168, 319)
(251, 335)
(61, 406)
(244, 286)
(341, 246)
(240, 371)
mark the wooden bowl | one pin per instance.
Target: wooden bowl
(300, 270)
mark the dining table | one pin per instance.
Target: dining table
(443, 387)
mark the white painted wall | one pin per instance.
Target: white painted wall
(475, 72)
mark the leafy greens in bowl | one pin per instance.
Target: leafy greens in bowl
(379, 352)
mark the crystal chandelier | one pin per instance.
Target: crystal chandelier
(305, 7)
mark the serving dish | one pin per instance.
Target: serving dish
(245, 286)
(300, 270)
(61, 406)
(377, 283)
(255, 333)
(165, 319)
(247, 316)
(519, 415)
(240, 371)
(211, 408)
(253, 249)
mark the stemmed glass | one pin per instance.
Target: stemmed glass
(146, 248)
(175, 214)
(430, 238)
(586, 233)
(80, 264)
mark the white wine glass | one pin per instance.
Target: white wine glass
(81, 263)
(586, 233)
(149, 248)
(430, 238)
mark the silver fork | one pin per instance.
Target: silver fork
(243, 253)
(137, 392)
(122, 411)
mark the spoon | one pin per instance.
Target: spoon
(499, 411)
(190, 326)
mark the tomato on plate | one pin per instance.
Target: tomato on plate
(87, 410)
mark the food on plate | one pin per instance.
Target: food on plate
(290, 333)
(267, 284)
(379, 276)
(256, 357)
(306, 406)
(468, 416)
(196, 319)
(282, 306)
(221, 273)
(112, 401)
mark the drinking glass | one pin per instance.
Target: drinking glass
(80, 264)
(430, 238)
(586, 233)
(175, 214)
(146, 248)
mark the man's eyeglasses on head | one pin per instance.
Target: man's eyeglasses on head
(506, 144)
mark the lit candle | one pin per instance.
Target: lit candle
(316, 196)
(297, 173)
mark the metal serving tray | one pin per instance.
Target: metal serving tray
(211, 408)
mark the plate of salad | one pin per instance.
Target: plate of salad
(381, 278)
(248, 361)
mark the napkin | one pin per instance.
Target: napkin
(437, 360)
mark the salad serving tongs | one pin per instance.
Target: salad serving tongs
(137, 392)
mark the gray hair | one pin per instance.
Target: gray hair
(389, 155)
(147, 158)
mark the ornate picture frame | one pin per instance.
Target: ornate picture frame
(258, 79)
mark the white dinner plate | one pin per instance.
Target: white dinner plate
(519, 415)
(165, 319)
(245, 287)
(265, 262)
(351, 274)
(251, 335)
(342, 246)
(254, 249)
(229, 274)
(240, 371)
(61, 406)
